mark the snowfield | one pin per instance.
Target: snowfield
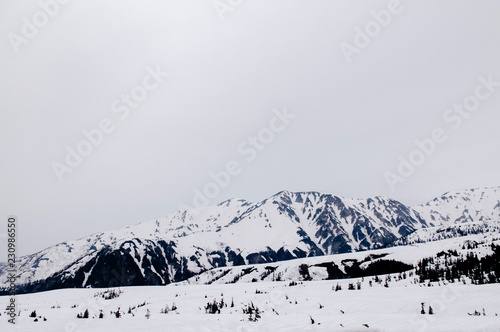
(284, 308)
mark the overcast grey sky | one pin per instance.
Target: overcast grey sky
(352, 119)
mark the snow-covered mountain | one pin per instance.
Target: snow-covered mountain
(474, 205)
(238, 232)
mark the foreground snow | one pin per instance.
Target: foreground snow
(284, 307)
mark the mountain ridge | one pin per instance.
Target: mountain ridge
(236, 232)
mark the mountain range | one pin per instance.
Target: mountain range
(237, 232)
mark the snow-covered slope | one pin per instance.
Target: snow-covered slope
(340, 266)
(238, 232)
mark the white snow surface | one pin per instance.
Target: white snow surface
(396, 308)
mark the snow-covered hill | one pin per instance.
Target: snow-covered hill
(340, 266)
(238, 232)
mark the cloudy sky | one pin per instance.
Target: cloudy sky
(354, 94)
